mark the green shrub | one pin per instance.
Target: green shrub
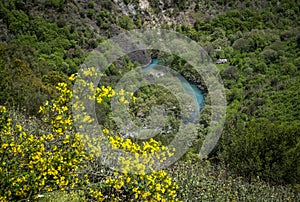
(205, 181)
(265, 149)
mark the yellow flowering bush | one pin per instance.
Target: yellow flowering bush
(32, 164)
(153, 186)
(133, 181)
(58, 160)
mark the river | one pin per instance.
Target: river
(189, 87)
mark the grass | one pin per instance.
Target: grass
(60, 196)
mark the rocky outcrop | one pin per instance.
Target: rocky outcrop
(142, 57)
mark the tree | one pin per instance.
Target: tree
(269, 55)
(261, 67)
(242, 45)
(126, 22)
(230, 73)
(265, 149)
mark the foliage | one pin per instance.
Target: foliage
(62, 196)
(271, 150)
(206, 181)
(33, 164)
(126, 23)
(42, 43)
(137, 178)
(37, 48)
(157, 185)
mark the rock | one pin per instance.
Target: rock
(143, 4)
(142, 57)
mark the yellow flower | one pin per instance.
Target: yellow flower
(41, 109)
(2, 109)
(105, 131)
(4, 145)
(72, 77)
(146, 194)
(18, 128)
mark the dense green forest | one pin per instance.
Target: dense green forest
(43, 43)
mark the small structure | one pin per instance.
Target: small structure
(221, 61)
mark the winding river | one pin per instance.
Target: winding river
(189, 87)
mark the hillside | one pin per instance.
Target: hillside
(43, 44)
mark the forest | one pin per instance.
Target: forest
(44, 155)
